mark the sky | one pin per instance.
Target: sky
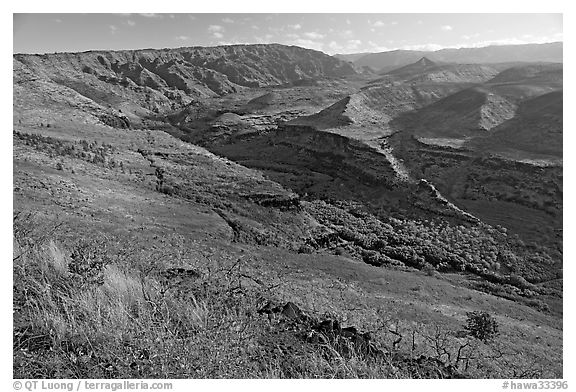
(330, 33)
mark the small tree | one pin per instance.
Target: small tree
(481, 325)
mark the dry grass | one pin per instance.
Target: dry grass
(124, 318)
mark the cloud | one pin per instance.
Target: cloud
(215, 28)
(376, 47)
(354, 44)
(130, 23)
(151, 15)
(227, 20)
(349, 46)
(217, 31)
(182, 38)
(192, 17)
(254, 27)
(446, 28)
(347, 34)
(296, 26)
(394, 23)
(263, 40)
(516, 41)
(470, 36)
(427, 47)
(310, 44)
(113, 29)
(314, 35)
(379, 23)
(58, 20)
(481, 44)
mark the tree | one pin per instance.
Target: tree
(481, 325)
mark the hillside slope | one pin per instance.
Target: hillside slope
(536, 128)
(460, 115)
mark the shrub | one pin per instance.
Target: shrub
(481, 325)
(429, 269)
(88, 260)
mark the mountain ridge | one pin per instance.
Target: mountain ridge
(383, 61)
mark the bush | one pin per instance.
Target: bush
(88, 261)
(429, 269)
(481, 325)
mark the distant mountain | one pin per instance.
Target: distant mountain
(422, 65)
(351, 57)
(428, 71)
(194, 71)
(385, 61)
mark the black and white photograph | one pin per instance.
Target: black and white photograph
(246, 195)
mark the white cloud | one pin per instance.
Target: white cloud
(314, 35)
(218, 35)
(215, 28)
(379, 23)
(446, 28)
(227, 20)
(113, 29)
(347, 34)
(310, 44)
(182, 38)
(130, 23)
(354, 44)
(254, 27)
(429, 47)
(192, 17)
(349, 46)
(296, 26)
(263, 40)
(151, 15)
(375, 47)
(348, 22)
(58, 20)
(516, 41)
(481, 44)
(394, 23)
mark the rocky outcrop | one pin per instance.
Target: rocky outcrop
(328, 335)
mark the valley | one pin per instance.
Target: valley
(394, 202)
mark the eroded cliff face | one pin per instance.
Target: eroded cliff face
(193, 71)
